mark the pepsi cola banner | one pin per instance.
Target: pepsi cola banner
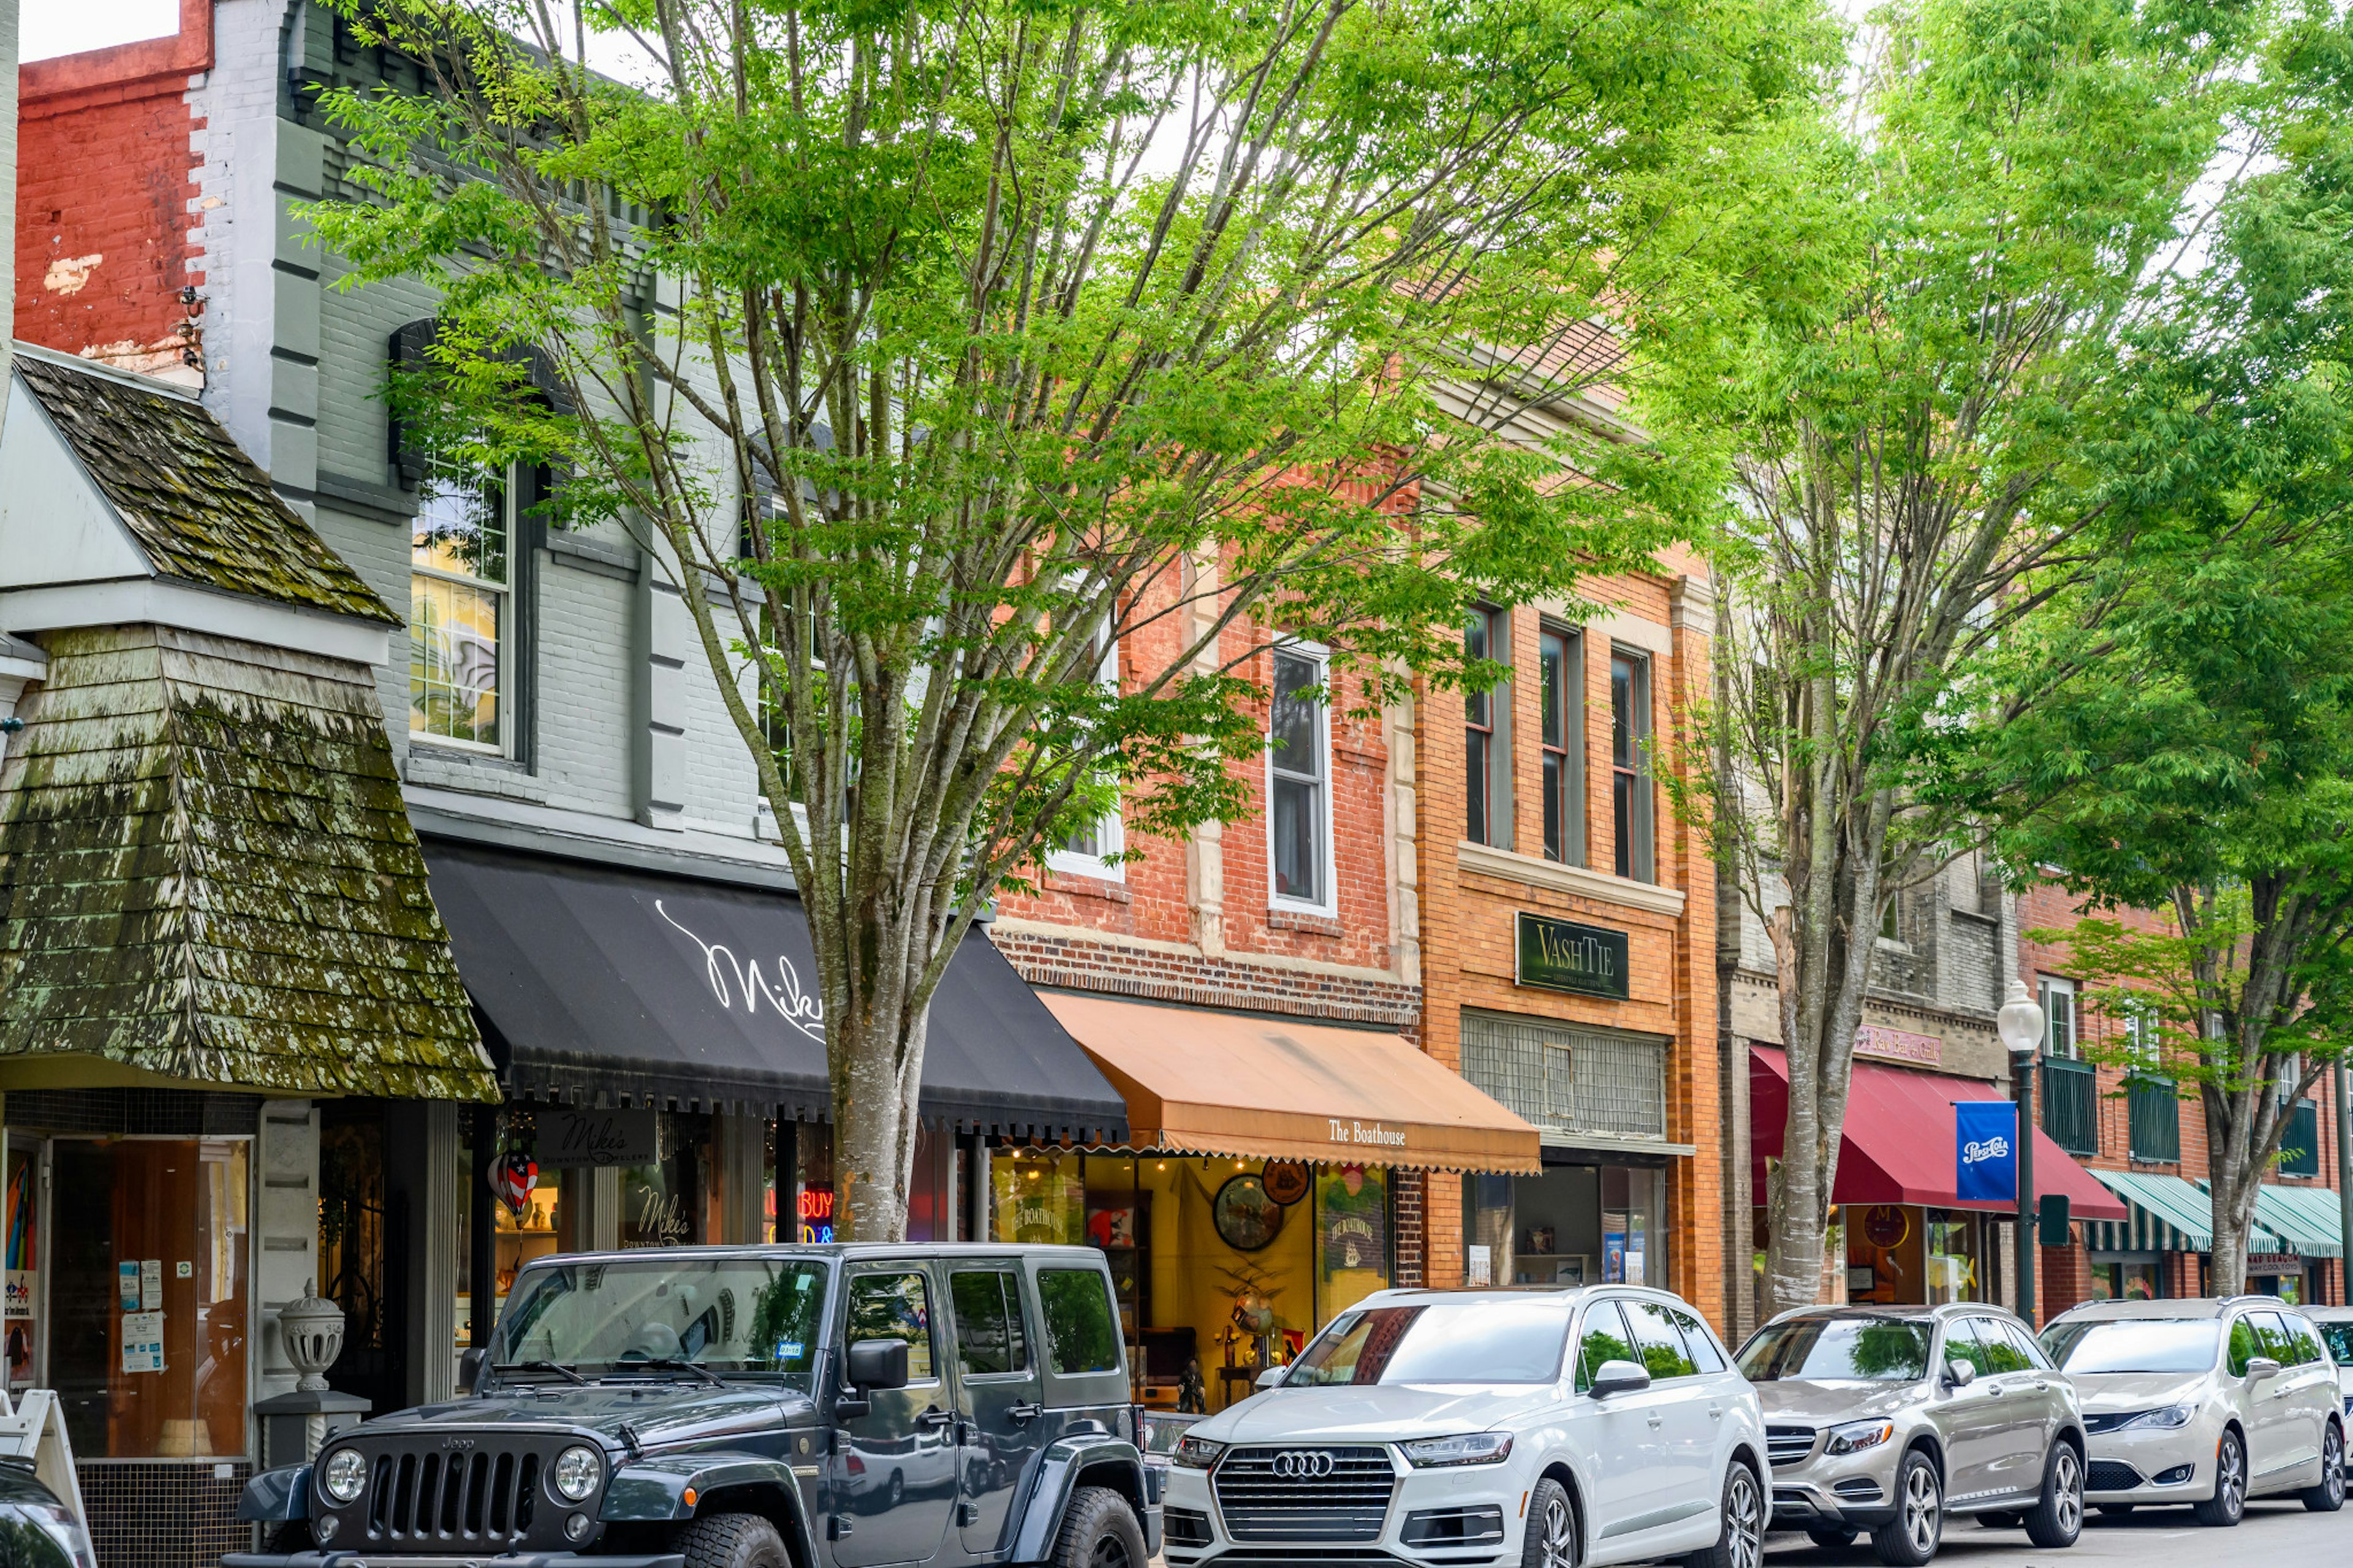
(1985, 1151)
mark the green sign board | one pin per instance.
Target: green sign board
(1562, 955)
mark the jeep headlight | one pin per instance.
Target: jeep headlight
(2168, 1418)
(343, 1475)
(1467, 1449)
(577, 1471)
(1856, 1435)
(1197, 1453)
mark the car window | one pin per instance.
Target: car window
(1081, 1334)
(1838, 1350)
(2307, 1344)
(1604, 1337)
(1961, 1344)
(988, 1321)
(1478, 1340)
(1665, 1354)
(1703, 1344)
(2339, 1338)
(2244, 1347)
(2272, 1338)
(894, 1307)
(2024, 1342)
(2000, 1355)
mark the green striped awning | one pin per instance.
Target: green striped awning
(2163, 1214)
(2306, 1219)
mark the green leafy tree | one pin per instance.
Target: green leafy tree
(1030, 327)
(1894, 438)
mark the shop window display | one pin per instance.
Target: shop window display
(24, 1265)
(1574, 1225)
(2120, 1280)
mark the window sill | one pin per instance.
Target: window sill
(1279, 918)
(1086, 885)
(1552, 875)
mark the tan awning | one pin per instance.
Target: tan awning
(1279, 1089)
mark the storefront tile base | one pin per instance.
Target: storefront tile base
(166, 1514)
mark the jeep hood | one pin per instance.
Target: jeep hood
(1827, 1403)
(2106, 1392)
(1378, 1413)
(660, 1414)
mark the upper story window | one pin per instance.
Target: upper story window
(1299, 782)
(1562, 693)
(2058, 999)
(1629, 763)
(461, 614)
(1486, 736)
(1093, 850)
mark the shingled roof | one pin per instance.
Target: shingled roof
(207, 873)
(197, 504)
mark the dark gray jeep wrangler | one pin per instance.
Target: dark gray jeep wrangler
(755, 1407)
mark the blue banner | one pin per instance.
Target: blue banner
(1985, 1149)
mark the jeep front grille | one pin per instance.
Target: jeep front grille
(1787, 1445)
(1263, 1506)
(440, 1492)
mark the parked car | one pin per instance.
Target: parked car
(756, 1407)
(2203, 1402)
(1886, 1419)
(2335, 1326)
(1548, 1428)
(36, 1529)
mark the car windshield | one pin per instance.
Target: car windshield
(1448, 1342)
(2133, 1345)
(730, 1317)
(1838, 1350)
(2339, 1338)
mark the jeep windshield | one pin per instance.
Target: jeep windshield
(1453, 1341)
(1838, 1350)
(665, 1316)
(2133, 1345)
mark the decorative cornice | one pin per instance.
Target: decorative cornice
(1486, 860)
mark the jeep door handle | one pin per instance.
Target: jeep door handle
(1027, 1411)
(936, 1418)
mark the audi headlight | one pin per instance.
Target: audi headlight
(1856, 1435)
(1197, 1453)
(2169, 1417)
(577, 1471)
(343, 1475)
(1468, 1448)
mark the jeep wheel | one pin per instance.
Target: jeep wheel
(1551, 1541)
(2057, 1517)
(2328, 1494)
(1099, 1531)
(732, 1541)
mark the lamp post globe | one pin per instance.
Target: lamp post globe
(2021, 1024)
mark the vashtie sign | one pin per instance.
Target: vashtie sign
(1562, 955)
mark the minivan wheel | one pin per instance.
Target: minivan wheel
(2328, 1495)
(1740, 1543)
(1099, 1531)
(2057, 1518)
(1551, 1540)
(1909, 1540)
(2230, 1500)
(732, 1541)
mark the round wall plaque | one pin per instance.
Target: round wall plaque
(1287, 1181)
(1247, 1217)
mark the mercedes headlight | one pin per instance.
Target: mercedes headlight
(1856, 1435)
(2169, 1417)
(1468, 1448)
(1197, 1453)
(345, 1475)
(577, 1471)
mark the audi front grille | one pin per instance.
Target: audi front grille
(1300, 1493)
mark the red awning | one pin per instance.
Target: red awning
(1898, 1141)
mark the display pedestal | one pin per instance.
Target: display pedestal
(293, 1425)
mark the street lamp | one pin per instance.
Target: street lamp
(2022, 1025)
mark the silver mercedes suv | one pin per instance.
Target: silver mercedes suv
(1886, 1419)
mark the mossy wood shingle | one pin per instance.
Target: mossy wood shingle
(207, 873)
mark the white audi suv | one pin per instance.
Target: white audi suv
(1548, 1428)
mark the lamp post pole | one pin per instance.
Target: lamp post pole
(2021, 1024)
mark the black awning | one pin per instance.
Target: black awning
(631, 986)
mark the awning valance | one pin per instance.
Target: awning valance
(1281, 1089)
(1897, 1144)
(605, 984)
(2166, 1214)
(2304, 1219)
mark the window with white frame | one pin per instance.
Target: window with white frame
(461, 614)
(1093, 850)
(1299, 782)
(2138, 1019)
(2059, 1039)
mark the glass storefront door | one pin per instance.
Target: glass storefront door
(1574, 1225)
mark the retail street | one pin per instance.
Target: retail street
(2273, 1532)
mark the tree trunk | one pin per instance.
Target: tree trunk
(2233, 1180)
(877, 1078)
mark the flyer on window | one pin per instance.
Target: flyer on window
(143, 1342)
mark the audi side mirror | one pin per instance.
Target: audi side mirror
(2262, 1367)
(878, 1364)
(1270, 1378)
(1959, 1374)
(1619, 1377)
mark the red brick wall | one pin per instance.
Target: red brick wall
(106, 199)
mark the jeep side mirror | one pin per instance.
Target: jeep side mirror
(1269, 1378)
(470, 1369)
(1959, 1374)
(2262, 1367)
(1619, 1377)
(878, 1364)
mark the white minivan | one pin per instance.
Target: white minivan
(1548, 1428)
